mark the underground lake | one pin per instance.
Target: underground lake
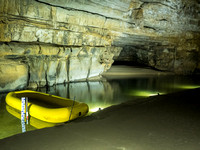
(112, 90)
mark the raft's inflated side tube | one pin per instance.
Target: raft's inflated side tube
(46, 107)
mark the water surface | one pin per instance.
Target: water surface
(98, 95)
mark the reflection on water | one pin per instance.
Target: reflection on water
(9, 124)
(97, 95)
(34, 122)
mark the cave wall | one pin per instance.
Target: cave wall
(173, 45)
(44, 45)
(47, 42)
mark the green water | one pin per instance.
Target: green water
(101, 94)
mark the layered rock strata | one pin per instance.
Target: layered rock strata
(54, 45)
(39, 65)
(63, 41)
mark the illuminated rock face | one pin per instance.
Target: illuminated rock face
(54, 44)
(13, 75)
(61, 41)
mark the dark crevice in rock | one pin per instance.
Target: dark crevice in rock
(46, 78)
(55, 45)
(163, 20)
(68, 90)
(148, 27)
(29, 74)
(68, 67)
(15, 57)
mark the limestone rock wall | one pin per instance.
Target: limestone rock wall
(58, 41)
(49, 65)
(54, 44)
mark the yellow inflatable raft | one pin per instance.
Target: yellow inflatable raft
(46, 107)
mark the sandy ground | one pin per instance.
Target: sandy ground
(163, 122)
